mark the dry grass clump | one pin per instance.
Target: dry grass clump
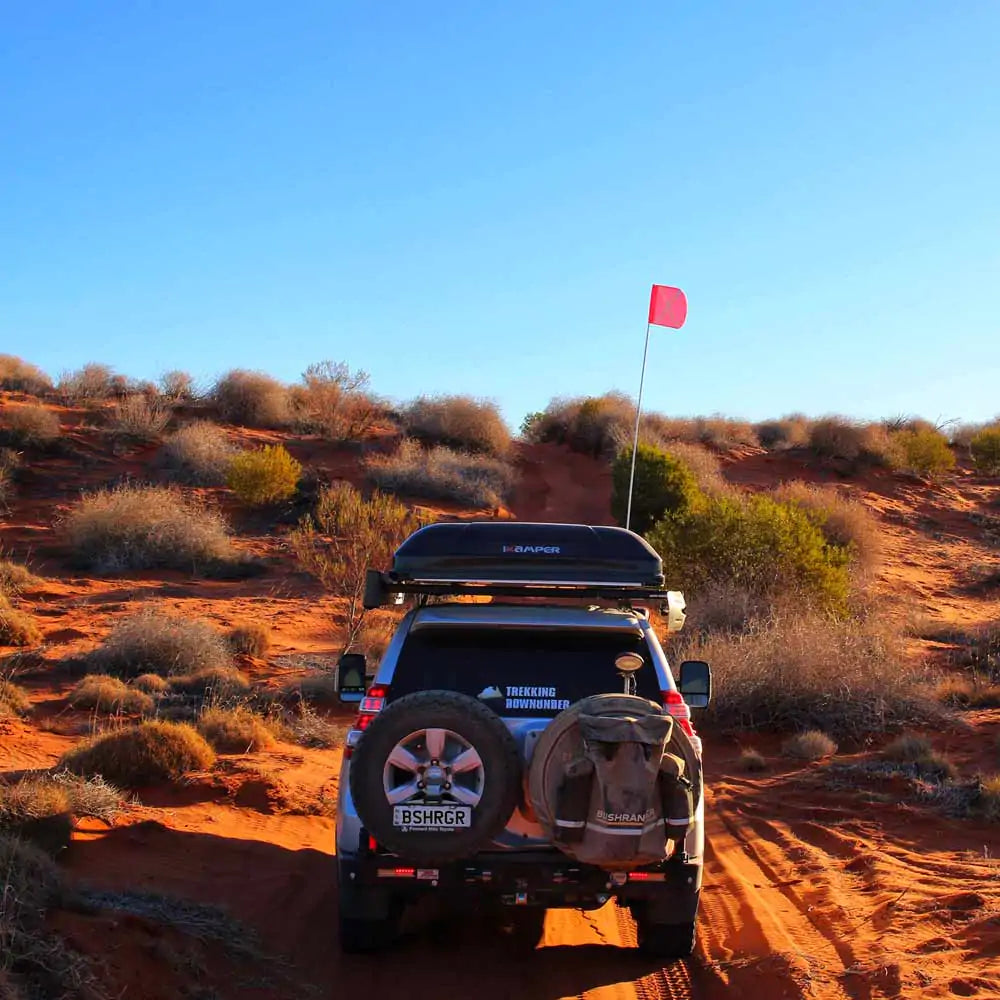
(177, 386)
(147, 754)
(30, 426)
(199, 453)
(17, 628)
(335, 403)
(458, 422)
(31, 884)
(15, 578)
(788, 432)
(440, 473)
(14, 699)
(801, 670)
(843, 522)
(704, 465)
(725, 433)
(104, 693)
(235, 730)
(923, 761)
(752, 761)
(153, 641)
(252, 399)
(250, 638)
(151, 684)
(810, 745)
(318, 688)
(146, 527)
(968, 692)
(17, 375)
(139, 418)
(263, 476)
(91, 383)
(56, 794)
(10, 462)
(215, 684)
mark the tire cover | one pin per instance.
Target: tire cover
(480, 728)
(562, 742)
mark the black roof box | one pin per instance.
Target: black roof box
(515, 552)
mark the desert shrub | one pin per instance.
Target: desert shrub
(30, 426)
(177, 386)
(264, 476)
(985, 450)
(104, 693)
(252, 399)
(924, 451)
(458, 422)
(344, 536)
(756, 543)
(199, 453)
(157, 642)
(923, 761)
(853, 442)
(15, 578)
(17, 375)
(844, 523)
(704, 464)
(145, 527)
(439, 473)
(788, 432)
(985, 696)
(139, 418)
(26, 805)
(724, 433)
(335, 402)
(235, 730)
(151, 684)
(810, 745)
(989, 798)
(250, 638)
(594, 425)
(17, 628)
(91, 383)
(10, 462)
(751, 761)
(663, 485)
(147, 754)
(803, 670)
(32, 882)
(310, 729)
(956, 692)
(907, 748)
(219, 685)
(14, 699)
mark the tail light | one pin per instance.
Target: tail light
(677, 707)
(372, 703)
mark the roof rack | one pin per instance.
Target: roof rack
(520, 559)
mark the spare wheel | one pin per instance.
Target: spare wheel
(436, 776)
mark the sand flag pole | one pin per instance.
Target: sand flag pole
(667, 307)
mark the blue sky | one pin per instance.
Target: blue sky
(476, 198)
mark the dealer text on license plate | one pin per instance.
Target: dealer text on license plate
(431, 818)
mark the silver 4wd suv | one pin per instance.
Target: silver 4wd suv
(532, 750)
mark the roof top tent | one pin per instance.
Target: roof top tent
(518, 559)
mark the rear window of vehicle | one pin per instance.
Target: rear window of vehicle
(520, 672)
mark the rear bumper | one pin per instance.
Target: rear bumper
(543, 878)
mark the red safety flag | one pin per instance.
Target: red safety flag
(667, 306)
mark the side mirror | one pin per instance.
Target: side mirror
(351, 677)
(696, 683)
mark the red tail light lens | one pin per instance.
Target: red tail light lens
(677, 707)
(372, 703)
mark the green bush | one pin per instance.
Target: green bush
(663, 485)
(757, 543)
(264, 476)
(985, 448)
(924, 451)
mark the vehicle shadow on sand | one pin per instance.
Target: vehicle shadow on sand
(288, 898)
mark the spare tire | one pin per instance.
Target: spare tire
(436, 776)
(561, 781)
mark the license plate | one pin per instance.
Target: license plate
(431, 818)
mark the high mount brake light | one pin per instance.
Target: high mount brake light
(677, 707)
